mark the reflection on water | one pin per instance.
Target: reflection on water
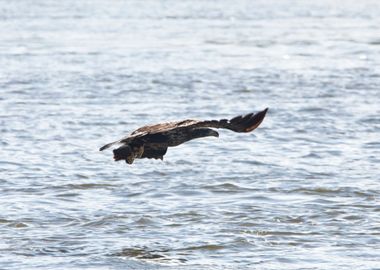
(300, 192)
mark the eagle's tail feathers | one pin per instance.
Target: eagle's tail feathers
(123, 152)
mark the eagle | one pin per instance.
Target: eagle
(152, 141)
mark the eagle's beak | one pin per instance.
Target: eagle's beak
(214, 133)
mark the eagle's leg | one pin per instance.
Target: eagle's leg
(138, 151)
(130, 159)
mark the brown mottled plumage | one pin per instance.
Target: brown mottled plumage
(153, 141)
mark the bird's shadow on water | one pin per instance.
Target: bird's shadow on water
(166, 255)
(146, 254)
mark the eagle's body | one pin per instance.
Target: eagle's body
(152, 141)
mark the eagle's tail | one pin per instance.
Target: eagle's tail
(123, 152)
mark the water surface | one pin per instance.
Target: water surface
(301, 192)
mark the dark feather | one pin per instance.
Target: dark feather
(156, 151)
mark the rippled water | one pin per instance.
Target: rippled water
(301, 192)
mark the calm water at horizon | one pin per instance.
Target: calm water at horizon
(300, 192)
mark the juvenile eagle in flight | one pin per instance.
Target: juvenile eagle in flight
(153, 141)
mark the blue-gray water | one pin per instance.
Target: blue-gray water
(301, 192)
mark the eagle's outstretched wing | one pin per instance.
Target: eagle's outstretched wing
(152, 133)
(241, 123)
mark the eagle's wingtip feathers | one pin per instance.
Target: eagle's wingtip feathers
(105, 146)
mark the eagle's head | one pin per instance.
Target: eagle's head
(203, 132)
